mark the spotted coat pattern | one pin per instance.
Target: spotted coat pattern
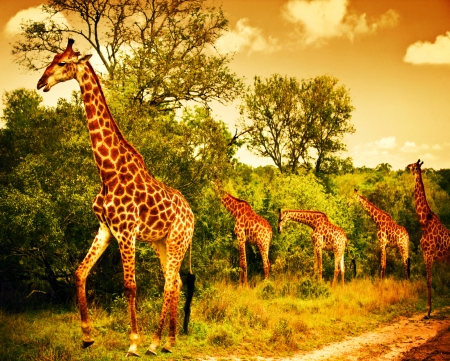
(435, 241)
(325, 236)
(131, 205)
(249, 228)
(389, 234)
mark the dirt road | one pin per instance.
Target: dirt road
(407, 339)
(411, 338)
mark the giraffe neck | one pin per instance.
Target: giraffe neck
(375, 213)
(310, 218)
(234, 205)
(111, 150)
(422, 208)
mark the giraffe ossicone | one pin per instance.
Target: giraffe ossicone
(435, 241)
(325, 236)
(131, 205)
(390, 234)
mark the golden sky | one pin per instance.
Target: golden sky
(392, 55)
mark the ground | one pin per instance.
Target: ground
(413, 338)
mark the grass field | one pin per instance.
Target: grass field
(266, 319)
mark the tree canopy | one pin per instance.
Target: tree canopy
(157, 52)
(296, 122)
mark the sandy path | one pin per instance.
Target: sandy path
(390, 342)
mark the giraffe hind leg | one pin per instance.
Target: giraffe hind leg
(127, 252)
(171, 263)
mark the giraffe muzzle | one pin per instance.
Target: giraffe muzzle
(43, 83)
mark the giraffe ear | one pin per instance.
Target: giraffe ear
(84, 58)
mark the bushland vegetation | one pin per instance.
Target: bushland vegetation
(48, 179)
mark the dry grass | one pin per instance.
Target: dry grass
(269, 319)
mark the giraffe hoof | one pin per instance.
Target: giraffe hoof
(86, 344)
(132, 354)
(166, 349)
(150, 352)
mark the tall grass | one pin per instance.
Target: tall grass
(268, 318)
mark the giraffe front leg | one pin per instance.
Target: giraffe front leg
(100, 243)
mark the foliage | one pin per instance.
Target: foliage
(295, 122)
(159, 52)
(48, 179)
(46, 184)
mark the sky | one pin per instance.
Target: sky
(393, 56)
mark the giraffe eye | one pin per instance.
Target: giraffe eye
(61, 64)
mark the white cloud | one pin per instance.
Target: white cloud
(246, 37)
(429, 53)
(387, 150)
(427, 156)
(411, 147)
(323, 19)
(386, 143)
(13, 26)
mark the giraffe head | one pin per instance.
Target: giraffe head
(415, 167)
(63, 67)
(281, 220)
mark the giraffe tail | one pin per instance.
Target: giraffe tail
(409, 267)
(190, 282)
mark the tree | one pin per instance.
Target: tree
(277, 129)
(295, 123)
(330, 108)
(160, 52)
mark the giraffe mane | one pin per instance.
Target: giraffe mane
(307, 211)
(239, 200)
(122, 139)
(374, 206)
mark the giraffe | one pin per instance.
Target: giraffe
(326, 236)
(389, 234)
(249, 228)
(435, 241)
(131, 205)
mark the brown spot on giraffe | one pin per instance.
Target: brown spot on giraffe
(325, 236)
(389, 234)
(170, 235)
(250, 228)
(435, 236)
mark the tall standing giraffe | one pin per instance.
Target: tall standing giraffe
(131, 205)
(326, 236)
(249, 228)
(389, 234)
(435, 241)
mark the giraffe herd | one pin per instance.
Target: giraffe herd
(132, 205)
